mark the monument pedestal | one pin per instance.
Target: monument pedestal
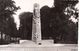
(42, 42)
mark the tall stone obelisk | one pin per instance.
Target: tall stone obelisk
(36, 24)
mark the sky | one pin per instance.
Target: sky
(27, 6)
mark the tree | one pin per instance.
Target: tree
(25, 29)
(45, 29)
(7, 9)
(63, 28)
(57, 25)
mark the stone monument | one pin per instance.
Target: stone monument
(36, 25)
(36, 29)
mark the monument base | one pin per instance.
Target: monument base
(27, 45)
(42, 42)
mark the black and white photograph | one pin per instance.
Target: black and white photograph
(39, 25)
